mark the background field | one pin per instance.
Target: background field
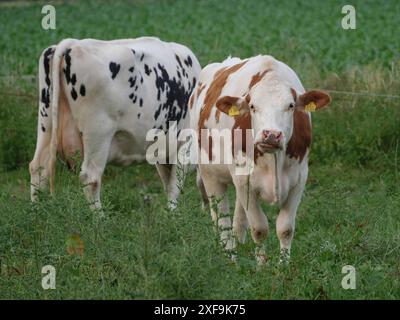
(350, 211)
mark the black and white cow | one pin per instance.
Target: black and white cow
(101, 98)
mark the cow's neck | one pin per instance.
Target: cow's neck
(273, 163)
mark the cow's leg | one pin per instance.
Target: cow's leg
(285, 223)
(38, 167)
(170, 182)
(96, 146)
(240, 222)
(257, 220)
(219, 209)
(200, 185)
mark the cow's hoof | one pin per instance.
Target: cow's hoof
(284, 257)
(172, 205)
(261, 257)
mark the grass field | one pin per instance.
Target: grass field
(350, 213)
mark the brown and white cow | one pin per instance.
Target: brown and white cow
(102, 98)
(264, 96)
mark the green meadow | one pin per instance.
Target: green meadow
(350, 212)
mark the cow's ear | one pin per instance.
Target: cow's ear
(312, 100)
(232, 106)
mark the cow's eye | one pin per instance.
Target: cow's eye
(251, 106)
(291, 106)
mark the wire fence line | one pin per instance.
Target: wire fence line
(23, 76)
(344, 93)
(363, 93)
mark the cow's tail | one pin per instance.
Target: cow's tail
(55, 98)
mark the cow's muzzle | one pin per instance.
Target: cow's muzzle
(271, 141)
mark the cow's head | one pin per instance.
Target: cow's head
(271, 105)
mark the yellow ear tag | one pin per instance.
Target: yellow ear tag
(234, 111)
(310, 107)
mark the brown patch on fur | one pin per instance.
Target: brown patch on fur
(243, 123)
(69, 139)
(257, 78)
(213, 93)
(301, 137)
(200, 88)
(196, 94)
(191, 101)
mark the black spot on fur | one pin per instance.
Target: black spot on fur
(189, 59)
(114, 68)
(131, 69)
(46, 63)
(132, 81)
(141, 58)
(43, 128)
(180, 66)
(45, 97)
(177, 96)
(67, 69)
(188, 62)
(138, 116)
(82, 90)
(45, 92)
(147, 69)
(157, 114)
(141, 102)
(179, 60)
(43, 112)
(73, 79)
(74, 95)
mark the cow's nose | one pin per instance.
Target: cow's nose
(272, 136)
